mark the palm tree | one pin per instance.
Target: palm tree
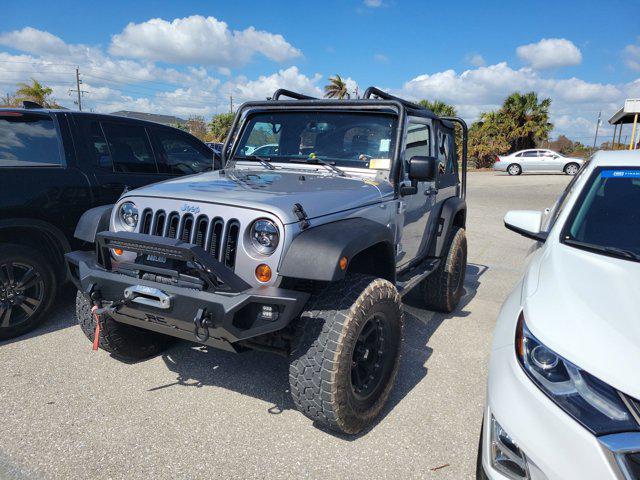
(336, 88)
(439, 107)
(527, 119)
(36, 92)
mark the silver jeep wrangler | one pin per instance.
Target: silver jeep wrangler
(326, 213)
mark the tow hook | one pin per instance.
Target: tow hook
(202, 323)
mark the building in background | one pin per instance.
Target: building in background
(629, 114)
(152, 117)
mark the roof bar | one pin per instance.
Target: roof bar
(283, 92)
(369, 92)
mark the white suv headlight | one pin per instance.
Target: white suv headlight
(128, 216)
(264, 236)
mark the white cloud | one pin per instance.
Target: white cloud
(35, 41)
(381, 58)
(476, 60)
(631, 56)
(373, 3)
(550, 53)
(197, 39)
(263, 87)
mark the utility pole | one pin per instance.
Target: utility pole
(78, 90)
(595, 139)
(231, 102)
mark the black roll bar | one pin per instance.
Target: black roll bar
(283, 92)
(465, 140)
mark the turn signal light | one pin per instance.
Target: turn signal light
(263, 272)
(343, 263)
(118, 251)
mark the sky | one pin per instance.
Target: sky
(188, 57)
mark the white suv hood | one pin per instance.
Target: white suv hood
(586, 308)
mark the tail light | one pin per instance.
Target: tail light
(497, 158)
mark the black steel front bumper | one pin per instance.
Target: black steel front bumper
(215, 308)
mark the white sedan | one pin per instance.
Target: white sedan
(537, 160)
(563, 396)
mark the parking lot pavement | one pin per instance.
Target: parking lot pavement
(68, 412)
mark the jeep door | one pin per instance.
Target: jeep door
(417, 208)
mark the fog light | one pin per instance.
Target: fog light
(506, 456)
(268, 313)
(263, 272)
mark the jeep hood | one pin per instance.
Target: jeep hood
(274, 191)
(585, 308)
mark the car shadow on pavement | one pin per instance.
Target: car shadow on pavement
(265, 376)
(61, 315)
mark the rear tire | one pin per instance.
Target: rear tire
(346, 353)
(443, 289)
(121, 340)
(514, 169)
(27, 289)
(571, 168)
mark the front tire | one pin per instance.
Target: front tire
(443, 289)
(514, 169)
(121, 340)
(346, 353)
(571, 168)
(27, 289)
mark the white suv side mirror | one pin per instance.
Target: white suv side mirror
(526, 223)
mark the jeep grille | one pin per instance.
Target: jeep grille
(214, 235)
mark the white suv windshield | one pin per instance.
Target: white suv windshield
(607, 218)
(347, 139)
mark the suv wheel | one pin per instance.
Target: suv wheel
(121, 340)
(346, 352)
(443, 289)
(27, 289)
(514, 169)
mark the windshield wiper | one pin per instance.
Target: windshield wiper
(263, 161)
(324, 163)
(613, 251)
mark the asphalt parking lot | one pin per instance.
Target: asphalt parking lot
(68, 412)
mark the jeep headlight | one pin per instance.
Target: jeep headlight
(128, 216)
(590, 401)
(264, 236)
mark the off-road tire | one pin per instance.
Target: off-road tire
(11, 254)
(514, 169)
(320, 371)
(121, 340)
(443, 289)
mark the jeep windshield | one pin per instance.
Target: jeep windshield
(606, 219)
(343, 139)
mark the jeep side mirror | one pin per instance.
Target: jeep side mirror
(527, 223)
(422, 169)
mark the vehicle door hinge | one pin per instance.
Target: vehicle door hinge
(302, 216)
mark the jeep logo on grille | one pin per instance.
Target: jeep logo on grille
(190, 208)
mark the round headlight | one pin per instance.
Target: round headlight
(264, 236)
(128, 214)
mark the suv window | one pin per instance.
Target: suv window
(129, 147)
(98, 146)
(418, 140)
(180, 154)
(28, 140)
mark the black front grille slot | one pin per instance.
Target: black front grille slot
(186, 229)
(158, 228)
(147, 217)
(201, 231)
(231, 244)
(215, 237)
(174, 221)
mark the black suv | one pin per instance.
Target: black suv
(55, 165)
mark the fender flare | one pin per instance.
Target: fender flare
(315, 253)
(450, 208)
(41, 225)
(92, 222)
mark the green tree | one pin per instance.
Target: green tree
(527, 119)
(336, 88)
(36, 92)
(488, 137)
(220, 125)
(439, 107)
(197, 126)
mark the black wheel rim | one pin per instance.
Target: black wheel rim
(369, 358)
(21, 293)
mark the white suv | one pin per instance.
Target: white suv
(563, 398)
(537, 160)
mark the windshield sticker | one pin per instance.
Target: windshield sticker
(384, 144)
(380, 163)
(620, 173)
